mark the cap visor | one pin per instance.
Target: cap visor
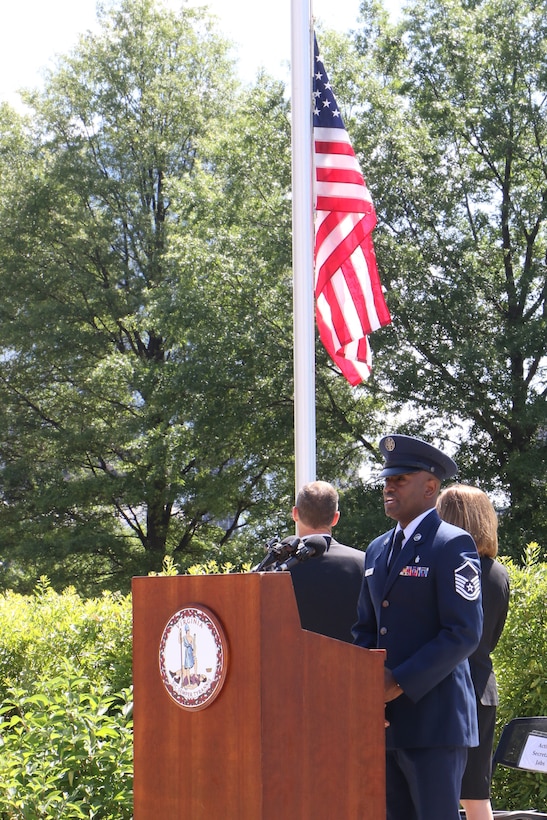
(387, 471)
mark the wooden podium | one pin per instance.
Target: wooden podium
(295, 728)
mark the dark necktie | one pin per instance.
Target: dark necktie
(396, 548)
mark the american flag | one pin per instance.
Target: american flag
(349, 299)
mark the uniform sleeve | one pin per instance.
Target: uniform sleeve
(460, 619)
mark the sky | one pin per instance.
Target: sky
(33, 32)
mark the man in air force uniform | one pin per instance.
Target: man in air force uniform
(420, 600)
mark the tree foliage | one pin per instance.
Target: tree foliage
(146, 359)
(124, 334)
(451, 122)
(146, 377)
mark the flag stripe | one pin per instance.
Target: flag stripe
(334, 146)
(342, 204)
(343, 176)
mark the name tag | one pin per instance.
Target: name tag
(369, 571)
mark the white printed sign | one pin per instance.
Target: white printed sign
(534, 754)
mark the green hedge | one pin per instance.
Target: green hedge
(65, 694)
(66, 730)
(67, 751)
(520, 661)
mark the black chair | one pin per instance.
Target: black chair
(522, 745)
(513, 742)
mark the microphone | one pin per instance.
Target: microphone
(313, 547)
(278, 551)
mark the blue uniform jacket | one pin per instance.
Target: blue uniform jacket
(426, 613)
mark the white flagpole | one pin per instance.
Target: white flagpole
(302, 243)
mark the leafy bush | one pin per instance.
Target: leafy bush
(520, 662)
(38, 632)
(66, 752)
(66, 730)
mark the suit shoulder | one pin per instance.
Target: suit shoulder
(494, 570)
(343, 549)
(346, 556)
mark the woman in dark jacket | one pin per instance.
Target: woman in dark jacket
(471, 509)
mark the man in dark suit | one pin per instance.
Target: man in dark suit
(327, 586)
(421, 601)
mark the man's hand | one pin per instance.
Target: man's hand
(392, 689)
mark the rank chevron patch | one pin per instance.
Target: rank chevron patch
(467, 581)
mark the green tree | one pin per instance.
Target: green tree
(119, 428)
(146, 326)
(107, 394)
(451, 122)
